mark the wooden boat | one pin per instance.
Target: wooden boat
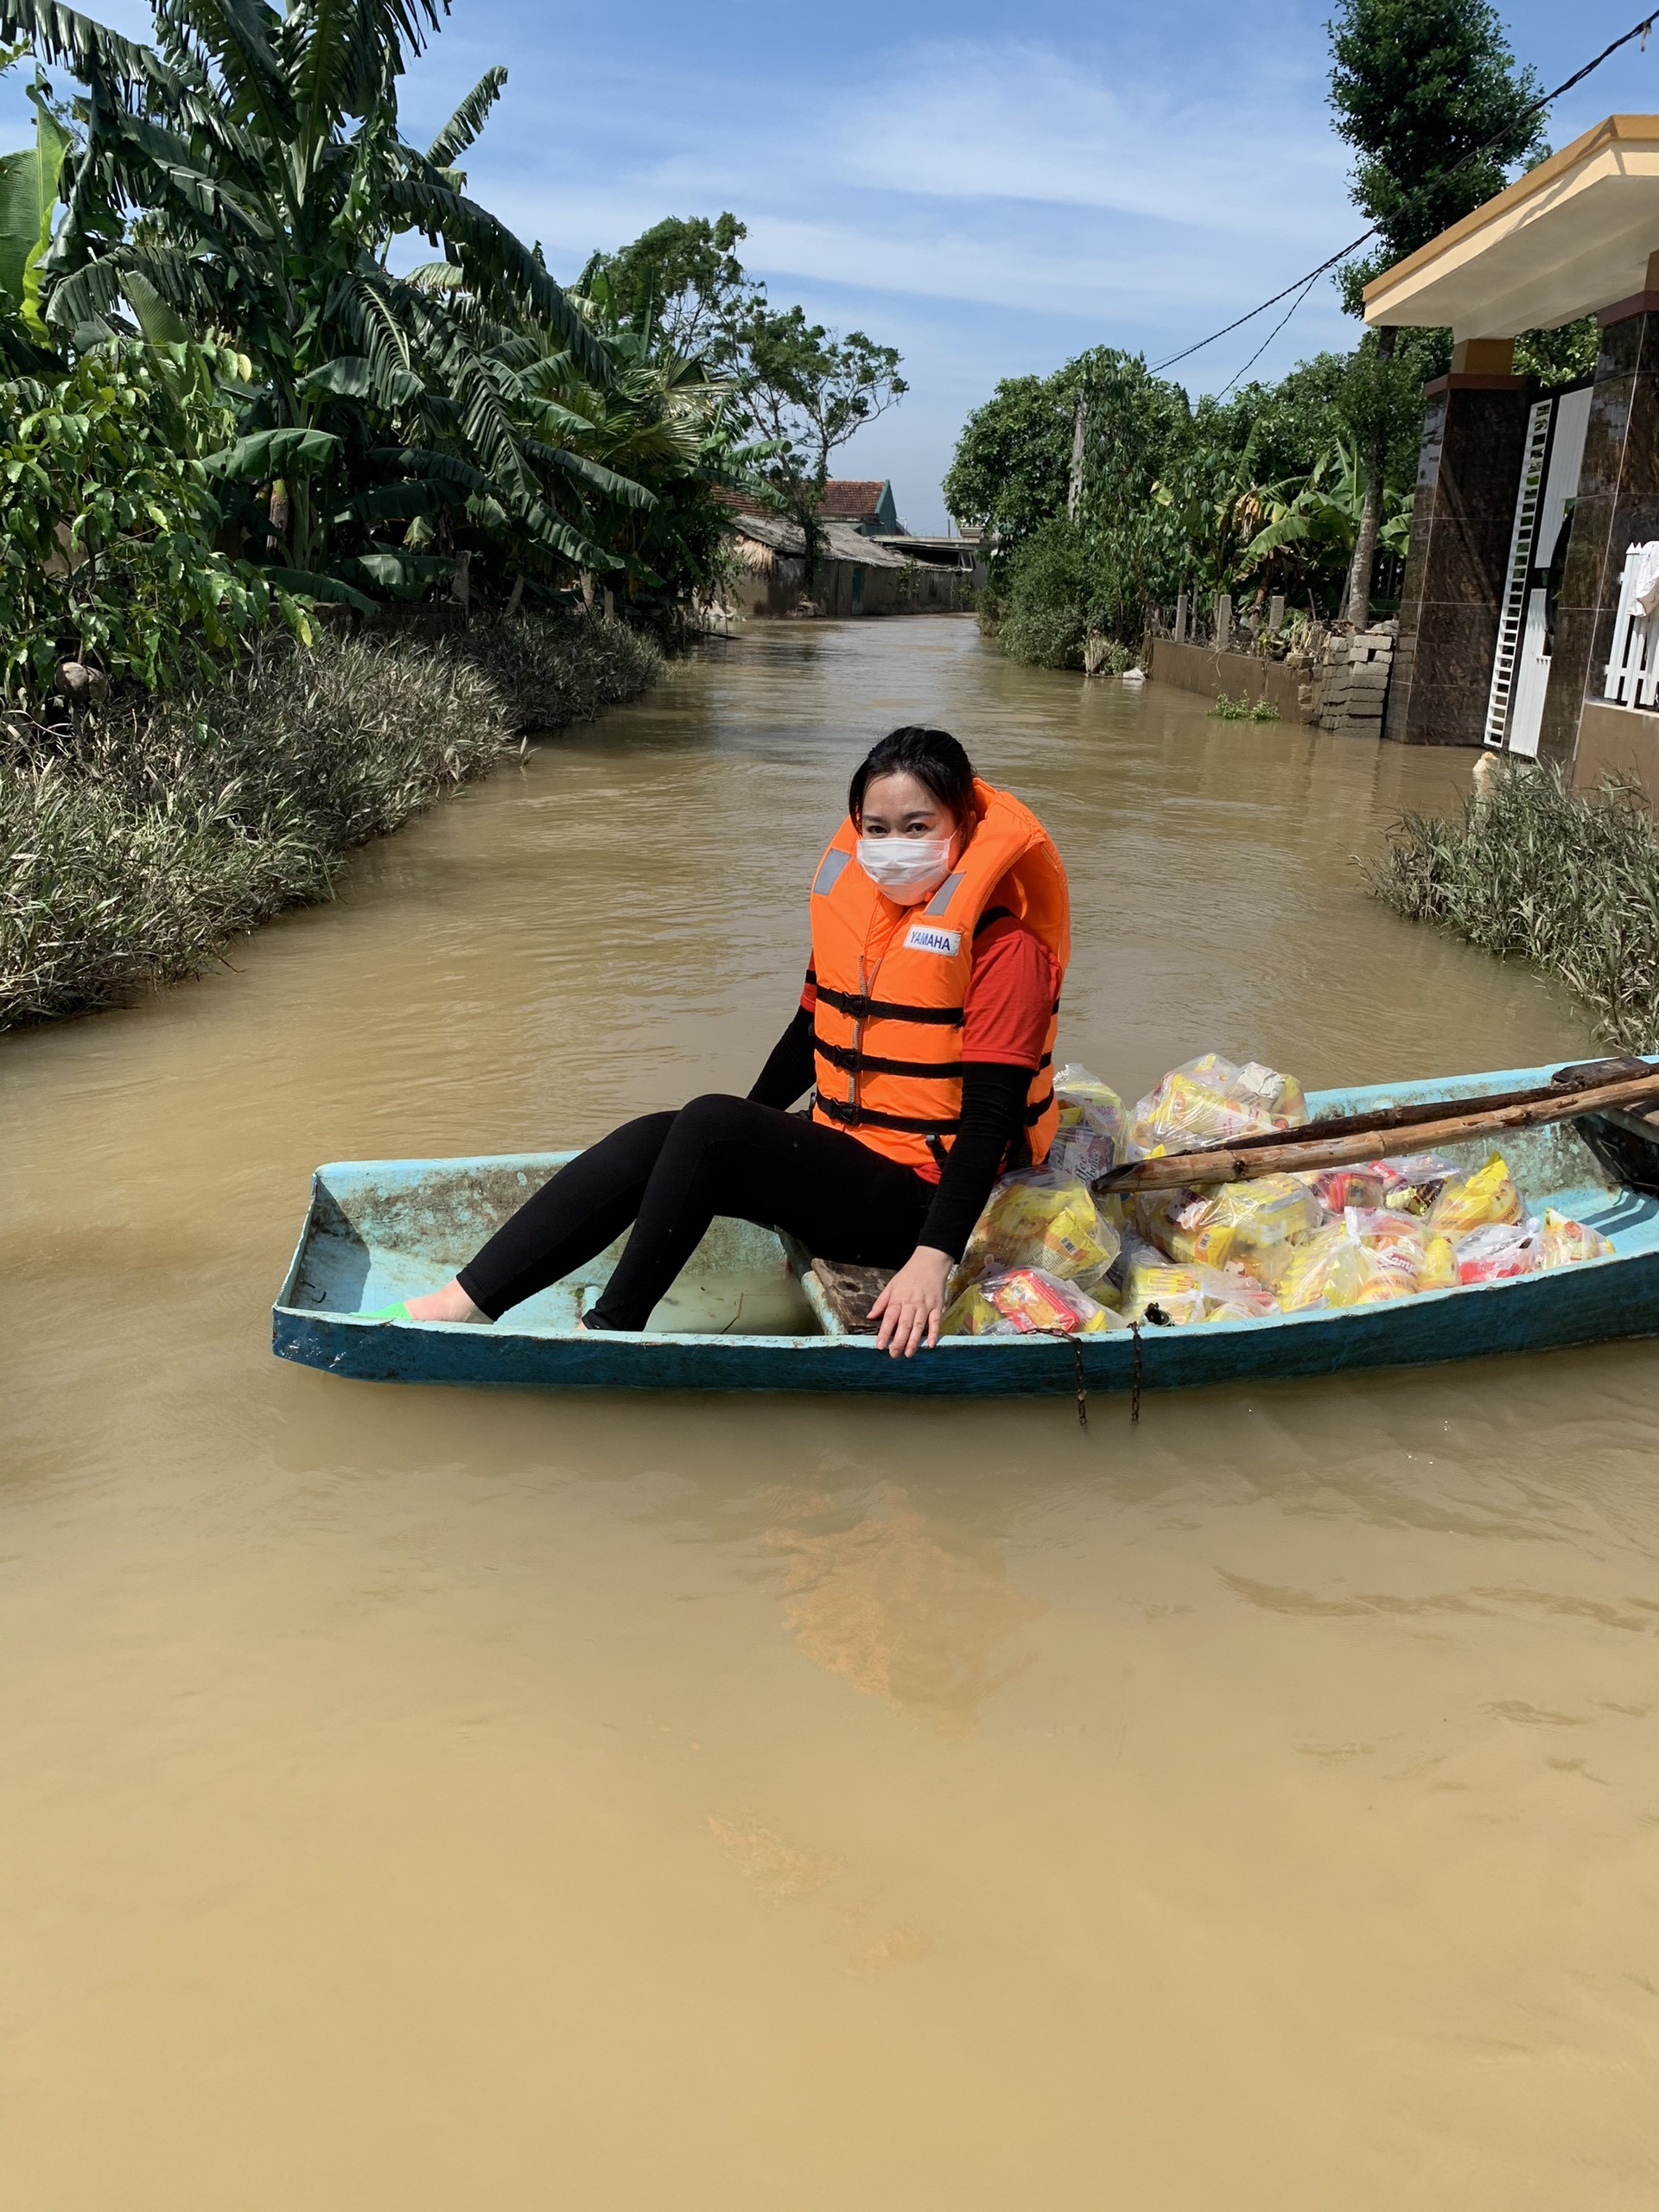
(751, 1311)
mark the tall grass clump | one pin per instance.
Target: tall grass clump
(552, 669)
(134, 845)
(1567, 879)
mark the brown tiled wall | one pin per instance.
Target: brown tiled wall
(1474, 437)
(1617, 506)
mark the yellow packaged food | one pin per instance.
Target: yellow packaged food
(1211, 1099)
(1472, 1201)
(1151, 1281)
(1184, 1294)
(1038, 1220)
(1565, 1239)
(1400, 1244)
(1333, 1267)
(1211, 1228)
(1440, 1266)
(972, 1314)
(1090, 1133)
(1033, 1299)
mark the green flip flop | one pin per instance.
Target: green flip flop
(397, 1312)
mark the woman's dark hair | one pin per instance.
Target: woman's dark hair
(932, 756)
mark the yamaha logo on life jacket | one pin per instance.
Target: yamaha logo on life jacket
(927, 937)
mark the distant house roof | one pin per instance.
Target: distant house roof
(853, 498)
(839, 541)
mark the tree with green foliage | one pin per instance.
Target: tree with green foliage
(107, 558)
(1008, 473)
(669, 420)
(29, 201)
(1066, 466)
(806, 392)
(1428, 94)
(246, 175)
(685, 273)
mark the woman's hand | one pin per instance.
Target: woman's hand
(909, 1308)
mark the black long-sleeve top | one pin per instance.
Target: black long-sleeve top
(992, 1117)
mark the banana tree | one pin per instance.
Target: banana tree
(1311, 526)
(245, 178)
(670, 419)
(29, 201)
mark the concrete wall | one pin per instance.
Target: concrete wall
(1195, 668)
(1618, 505)
(1616, 740)
(845, 588)
(1474, 438)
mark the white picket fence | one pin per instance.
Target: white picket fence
(1632, 677)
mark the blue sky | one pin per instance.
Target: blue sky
(989, 190)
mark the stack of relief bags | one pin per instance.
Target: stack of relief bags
(1047, 1256)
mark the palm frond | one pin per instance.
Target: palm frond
(264, 454)
(468, 119)
(161, 324)
(237, 34)
(499, 268)
(622, 489)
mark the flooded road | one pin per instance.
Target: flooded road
(418, 1798)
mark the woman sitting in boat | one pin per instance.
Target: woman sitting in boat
(940, 935)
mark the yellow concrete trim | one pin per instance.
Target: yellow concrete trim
(1568, 239)
(1608, 132)
(1489, 357)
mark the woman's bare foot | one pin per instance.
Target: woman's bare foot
(449, 1304)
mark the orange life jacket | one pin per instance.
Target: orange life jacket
(892, 981)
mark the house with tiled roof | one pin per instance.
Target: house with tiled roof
(864, 503)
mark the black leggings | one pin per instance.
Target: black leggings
(670, 1174)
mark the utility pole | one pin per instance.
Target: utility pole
(1079, 433)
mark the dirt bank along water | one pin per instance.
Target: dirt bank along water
(418, 1798)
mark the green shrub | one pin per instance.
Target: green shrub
(1244, 709)
(1045, 614)
(1567, 880)
(551, 670)
(107, 526)
(132, 848)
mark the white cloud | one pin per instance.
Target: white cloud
(989, 173)
(1025, 122)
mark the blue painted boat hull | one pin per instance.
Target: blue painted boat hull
(376, 1231)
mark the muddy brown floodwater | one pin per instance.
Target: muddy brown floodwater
(418, 1798)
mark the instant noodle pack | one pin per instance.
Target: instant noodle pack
(1047, 1256)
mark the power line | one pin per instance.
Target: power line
(1304, 285)
(1268, 339)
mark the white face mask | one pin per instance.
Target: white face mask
(907, 869)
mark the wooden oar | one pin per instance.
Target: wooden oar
(1296, 1152)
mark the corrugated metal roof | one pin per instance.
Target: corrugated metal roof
(839, 540)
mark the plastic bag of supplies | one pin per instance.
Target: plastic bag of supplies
(1024, 1301)
(1564, 1241)
(1413, 1185)
(1184, 1294)
(1404, 1247)
(1498, 1249)
(1489, 1196)
(1335, 1267)
(1037, 1219)
(1238, 1221)
(1090, 1138)
(1211, 1100)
